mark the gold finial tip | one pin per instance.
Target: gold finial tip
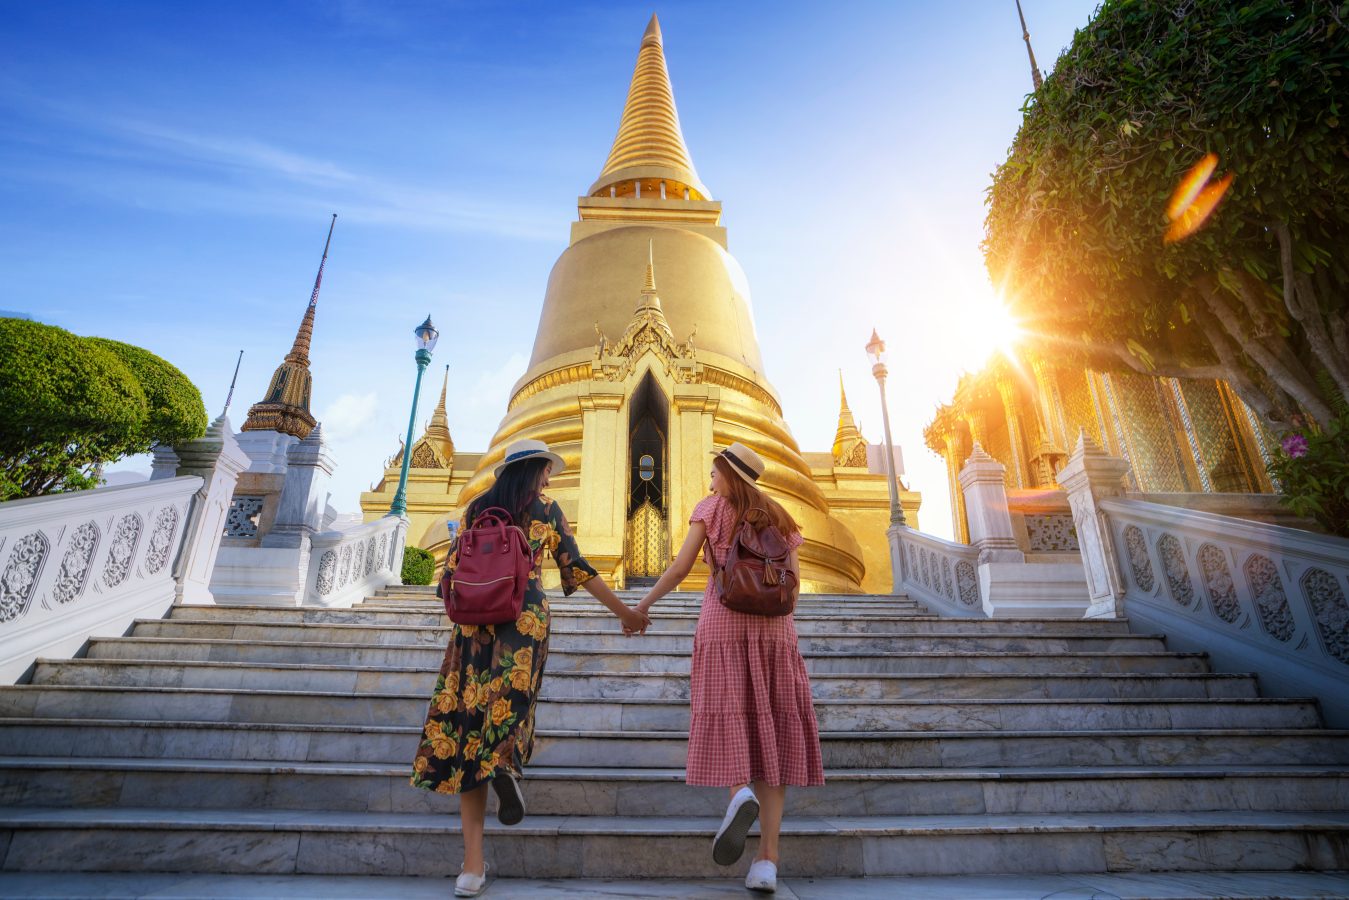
(652, 29)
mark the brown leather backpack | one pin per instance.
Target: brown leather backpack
(757, 577)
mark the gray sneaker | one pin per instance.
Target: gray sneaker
(729, 843)
(510, 799)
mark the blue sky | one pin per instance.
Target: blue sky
(167, 171)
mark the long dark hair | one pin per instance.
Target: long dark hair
(747, 498)
(514, 490)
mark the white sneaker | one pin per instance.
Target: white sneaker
(470, 885)
(763, 876)
(729, 843)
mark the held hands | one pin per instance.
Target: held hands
(635, 621)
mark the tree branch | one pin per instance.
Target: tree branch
(1302, 389)
(1252, 394)
(1165, 368)
(1299, 295)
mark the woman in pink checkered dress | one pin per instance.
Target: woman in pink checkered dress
(753, 727)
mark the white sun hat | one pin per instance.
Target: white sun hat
(529, 449)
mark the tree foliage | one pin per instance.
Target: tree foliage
(1259, 295)
(69, 405)
(419, 566)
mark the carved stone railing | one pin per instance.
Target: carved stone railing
(1256, 597)
(87, 562)
(940, 573)
(345, 566)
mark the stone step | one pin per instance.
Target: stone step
(617, 714)
(328, 842)
(625, 659)
(583, 791)
(562, 682)
(572, 638)
(604, 622)
(1209, 885)
(396, 744)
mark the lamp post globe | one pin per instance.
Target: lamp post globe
(427, 335)
(876, 353)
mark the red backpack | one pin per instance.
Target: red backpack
(488, 585)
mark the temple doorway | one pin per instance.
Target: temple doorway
(647, 542)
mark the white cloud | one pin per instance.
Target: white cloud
(349, 415)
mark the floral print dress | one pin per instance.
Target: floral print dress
(481, 718)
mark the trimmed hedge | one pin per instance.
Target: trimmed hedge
(69, 405)
(419, 566)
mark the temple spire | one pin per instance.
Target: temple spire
(850, 448)
(1035, 77)
(439, 429)
(285, 408)
(649, 300)
(649, 157)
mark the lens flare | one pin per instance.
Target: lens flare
(1195, 199)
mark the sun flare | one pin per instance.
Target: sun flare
(986, 328)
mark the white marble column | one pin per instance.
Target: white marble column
(218, 459)
(304, 493)
(1090, 476)
(990, 520)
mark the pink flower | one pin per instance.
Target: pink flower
(1295, 445)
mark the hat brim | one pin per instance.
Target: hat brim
(558, 464)
(736, 469)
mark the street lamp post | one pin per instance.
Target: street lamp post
(426, 342)
(876, 351)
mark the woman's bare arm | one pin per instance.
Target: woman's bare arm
(679, 569)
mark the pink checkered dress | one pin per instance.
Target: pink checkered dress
(752, 714)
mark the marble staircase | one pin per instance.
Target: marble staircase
(252, 740)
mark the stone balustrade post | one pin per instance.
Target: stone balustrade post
(299, 514)
(218, 459)
(1090, 476)
(986, 509)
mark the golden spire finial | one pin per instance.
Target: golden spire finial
(850, 448)
(649, 300)
(649, 145)
(439, 427)
(1035, 77)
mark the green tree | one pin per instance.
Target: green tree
(69, 405)
(419, 566)
(1259, 294)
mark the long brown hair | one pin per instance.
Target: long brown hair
(514, 490)
(756, 507)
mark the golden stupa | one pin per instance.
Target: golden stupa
(637, 385)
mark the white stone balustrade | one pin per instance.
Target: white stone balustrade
(87, 562)
(345, 566)
(1256, 597)
(1008, 584)
(1090, 477)
(940, 573)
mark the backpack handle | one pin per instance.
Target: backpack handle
(492, 515)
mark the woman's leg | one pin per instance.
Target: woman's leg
(472, 812)
(772, 799)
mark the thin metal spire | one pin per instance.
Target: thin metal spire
(233, 381)
(314, 297)
(1035, 77)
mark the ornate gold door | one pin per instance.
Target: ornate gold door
(647, 543)
(648, 549)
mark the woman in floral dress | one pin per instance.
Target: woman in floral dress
(753, 727)
(480, 725)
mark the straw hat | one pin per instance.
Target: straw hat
(529, 449)
(743, 462)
